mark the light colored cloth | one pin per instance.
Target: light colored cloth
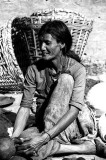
(102, 127)
(83, 128)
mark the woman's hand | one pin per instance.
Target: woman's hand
(30, 146)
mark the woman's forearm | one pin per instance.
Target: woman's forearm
(21, 120)
(64, 122)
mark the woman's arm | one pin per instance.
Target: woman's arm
(64, 122)
(26, 102)
(35, 143)
(21, 120)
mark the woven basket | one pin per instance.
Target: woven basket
(79, 26)
(10, 74)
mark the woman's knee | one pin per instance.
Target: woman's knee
(66, 79)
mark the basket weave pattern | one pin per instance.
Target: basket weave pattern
(11, 75)
(78, 25)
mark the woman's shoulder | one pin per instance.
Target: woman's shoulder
(76, 69)
(72, 63)
(31, 68)
(37, 66)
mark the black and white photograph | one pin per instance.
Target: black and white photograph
(52, 79)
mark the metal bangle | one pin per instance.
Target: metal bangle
(48, 135)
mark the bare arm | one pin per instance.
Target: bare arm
(21, 120)
(26, 102)
(61, 125)
(64, 122)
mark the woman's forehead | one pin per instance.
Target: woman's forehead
(47, 36)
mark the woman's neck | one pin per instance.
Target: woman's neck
(57, 63)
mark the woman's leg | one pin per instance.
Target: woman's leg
(59, 100)
(59, 105)
(18, 158)
(87, 147)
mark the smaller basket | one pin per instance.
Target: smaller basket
(10, 73)
(8, 84)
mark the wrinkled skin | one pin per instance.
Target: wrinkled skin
(30, 146)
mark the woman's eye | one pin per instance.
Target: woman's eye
(48, 43)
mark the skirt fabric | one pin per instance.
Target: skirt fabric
(83, 127)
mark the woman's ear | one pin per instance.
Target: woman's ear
(62, 45)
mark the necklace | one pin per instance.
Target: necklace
(52, 73)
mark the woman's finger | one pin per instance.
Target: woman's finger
(22, 147)
(17, 140)
(30, 152)
(25, 139)
(27, 152)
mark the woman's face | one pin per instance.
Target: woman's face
(50, 48)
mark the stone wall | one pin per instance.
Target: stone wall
(95, 50)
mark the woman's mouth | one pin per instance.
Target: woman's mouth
(44, 54)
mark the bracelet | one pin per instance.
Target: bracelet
(48, 135)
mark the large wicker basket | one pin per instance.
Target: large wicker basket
(20, 37)
(79, 26)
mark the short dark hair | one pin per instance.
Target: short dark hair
(59, 31)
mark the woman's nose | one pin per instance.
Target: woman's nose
(43, 47)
